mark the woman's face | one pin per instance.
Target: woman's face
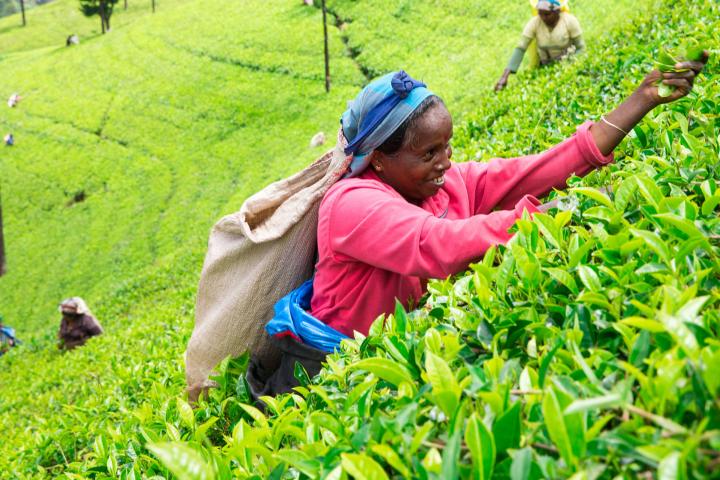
(549, 18)
(417, 170)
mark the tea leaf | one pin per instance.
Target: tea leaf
(445, 387)
(555, 424)
(385, 369)
(589, 278)
(362, 467)
(596, 195)
(610, 400)
(482, 447)
(182, 460)
(563, 277)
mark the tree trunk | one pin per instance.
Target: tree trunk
(327, 56)
(125, 4)
(2, 245)
(101, 11)
(153, 5)
(22, 9)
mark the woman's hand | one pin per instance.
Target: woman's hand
(610, 132)
(502, 83)
(681, 80)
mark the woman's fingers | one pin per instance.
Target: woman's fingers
(689, 74)
(670, 77)
(682, 87)
(678, 82)
(695, 66)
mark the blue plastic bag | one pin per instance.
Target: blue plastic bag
(8, 332)
(291, 318)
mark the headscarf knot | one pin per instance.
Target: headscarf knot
(402, 83)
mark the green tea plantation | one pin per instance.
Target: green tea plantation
(587, 348)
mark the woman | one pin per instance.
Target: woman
(557, 34)
(7, 337)
(405, 213)
(77, 325)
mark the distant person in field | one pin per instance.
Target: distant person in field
(77, 325)
(13, 100)
(555, 32)
(9, 140)
(72, 40)
(7, 337)
(405, 213)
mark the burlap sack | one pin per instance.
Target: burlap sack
(255, 257)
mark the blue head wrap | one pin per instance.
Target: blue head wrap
(378, 110)
(549, 5)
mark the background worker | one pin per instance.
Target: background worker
(556, 33)
(77, 325)
(7, 337)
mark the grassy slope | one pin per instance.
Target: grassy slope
(164, 129)
(165, 124)
(49, 25)
(157, 158)
(459, 47)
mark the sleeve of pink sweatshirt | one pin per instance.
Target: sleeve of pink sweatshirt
(375, 227)
(371, 225)
(501, 183)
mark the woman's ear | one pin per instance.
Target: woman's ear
(376, 160)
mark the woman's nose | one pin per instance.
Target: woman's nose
(444, 161)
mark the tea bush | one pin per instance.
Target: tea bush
(458, 47)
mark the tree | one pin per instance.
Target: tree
(327, 56)
(22, 9)
(103, 8)
(2, 245)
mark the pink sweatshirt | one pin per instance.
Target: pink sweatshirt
(375, 246)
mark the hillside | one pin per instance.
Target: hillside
(130, 145)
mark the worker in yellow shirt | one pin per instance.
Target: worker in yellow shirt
(556, 32)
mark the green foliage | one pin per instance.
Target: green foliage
(458, 47)
(104, 8)
(162, 141)
(10, 7)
